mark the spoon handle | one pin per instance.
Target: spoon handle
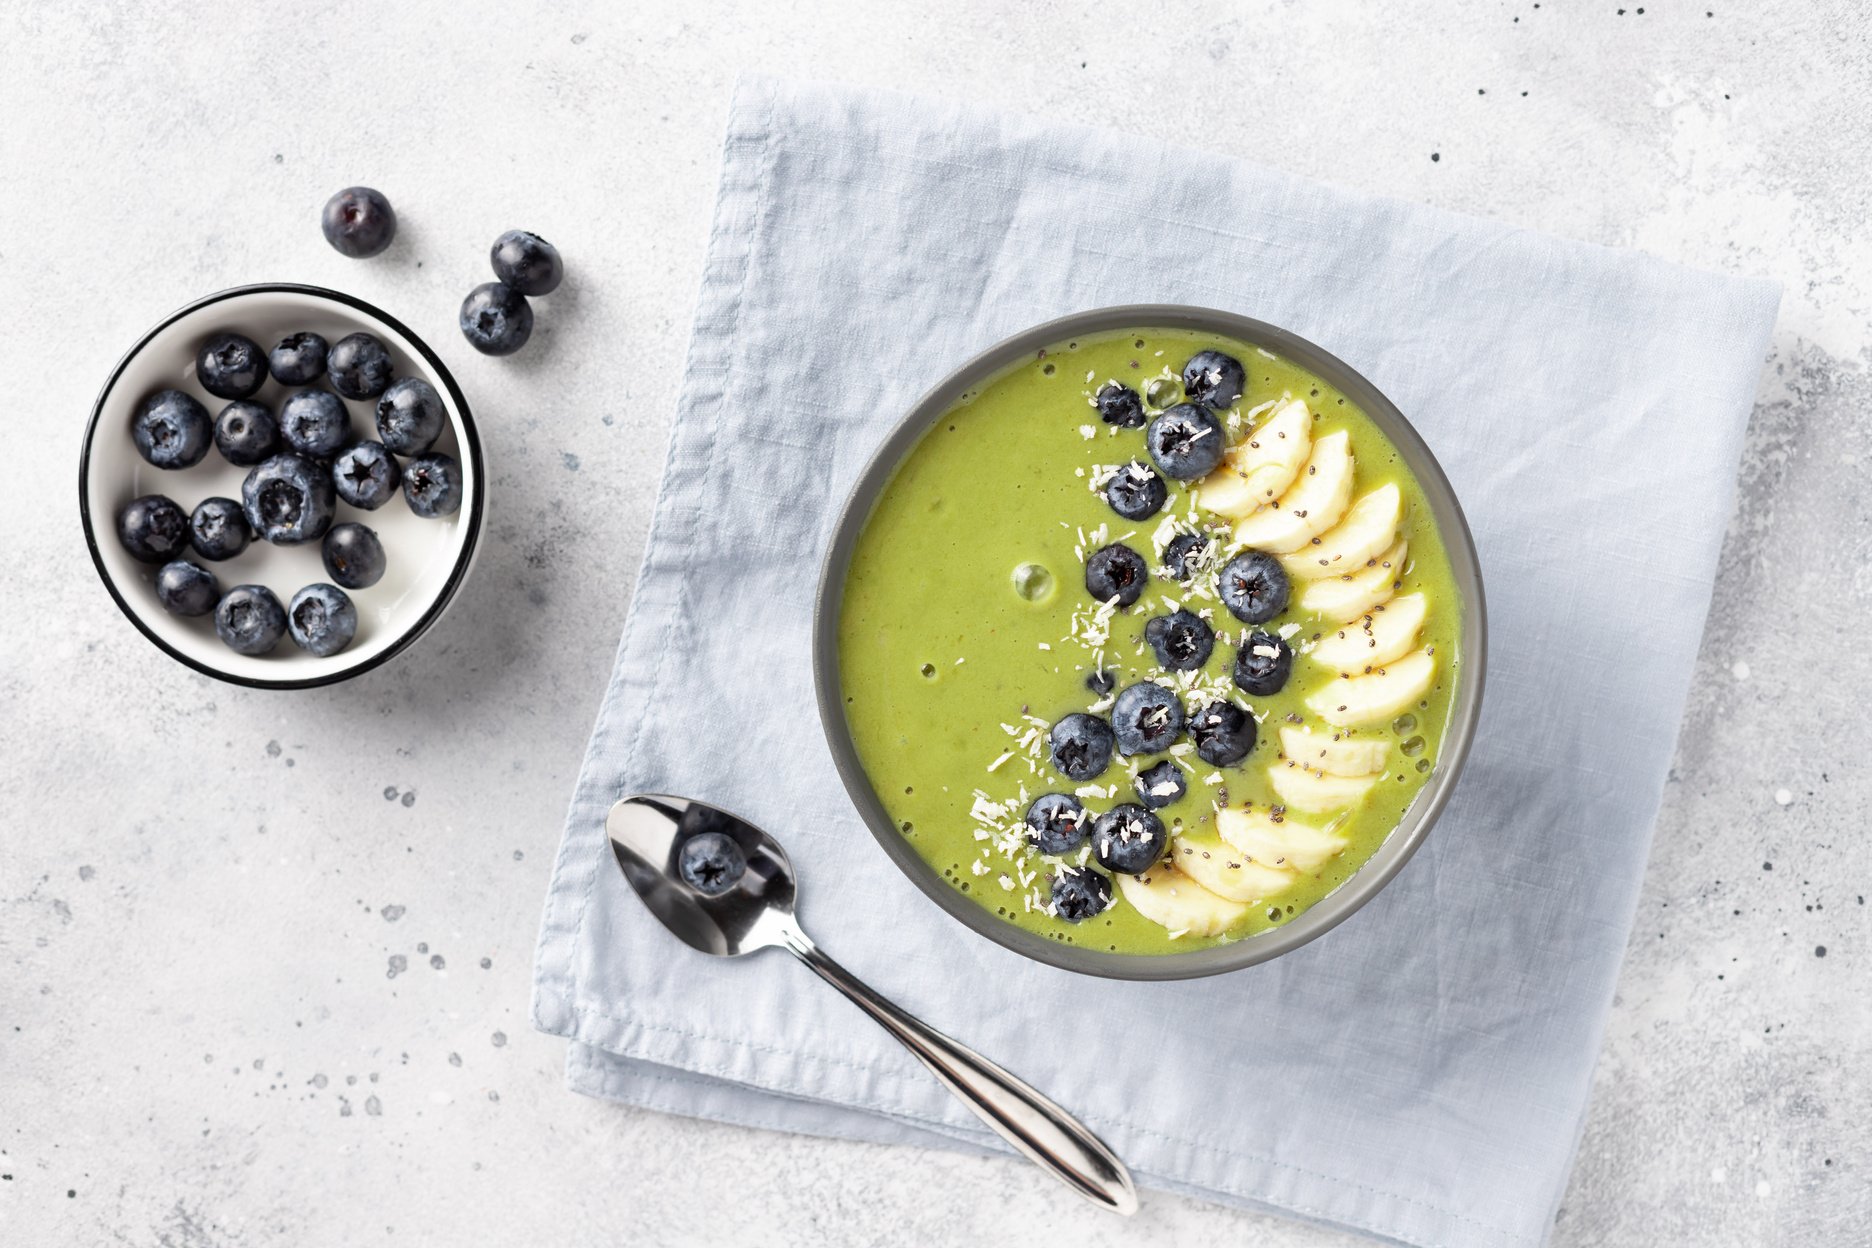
(1052, 1138)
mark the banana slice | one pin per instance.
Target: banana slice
(1335, 753)
(1172, 900)
(1347, 597)
(1279, 843)
(1374, 697)
(1370, 525)
(1312, 504)
(1261, 466)
(1386, 632)
(1315, 791)
(1226, 872)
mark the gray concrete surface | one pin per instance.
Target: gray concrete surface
(204, 891)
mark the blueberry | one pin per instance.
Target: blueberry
(1120, 405)
(171, 429)
(410, 416)
(1080, 893)
(1186, 441)
(246, 433)
(1262, 664)
(321, 619)
(231, 366)
(1128, 838)
(1161, 785)
(1184, 555)
(218, 529)
(153, 529)
(366, 475)
(496, 319)
(289, 499)
(527, 262)
(1253, 586)
(359, 366)
(298, 359)
(1146, 719)
(353, 556)
(433, 485)
(250, 619)
(358, 221)
(314, 423)
(1213, 379)
(1116, 573)
(1101, 681)
(1081, 746)
(1056, 823)
(1182, 641)
(186, 588)
(1224, 733)
(711, 863)
(1135, 492)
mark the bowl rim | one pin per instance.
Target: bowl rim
(1465, 708)
(471, 448)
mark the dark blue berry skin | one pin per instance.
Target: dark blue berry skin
(186, 588)
(433, 485)
(1263, 664)
(1146, 719)
(358, 221)
(1081, 746)
(1181, 641)
(321, 619)
(496, 319)
(359, 366)
(289, 499)
(1183, 554)
(712, 863)
(1186, 441)
(1253, 586)
(1166, 776)
(1116, 573)
(1128, 838)
(354, 557)
(527, 262)
(298, 359)
(171, 430)
(1057, 823)
(250, 620)
(1213, 379)
(366, 475)
(1224, 733)
(1080, 894)
(315, 423)
(410, 416)
(1101, 681)
(1136, 492)
(218, 529)
(153, 529)
(1120, 405)
(231, 366)
(246, 433)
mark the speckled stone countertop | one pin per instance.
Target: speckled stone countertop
(264, 958)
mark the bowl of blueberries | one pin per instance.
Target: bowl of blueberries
(281, 486)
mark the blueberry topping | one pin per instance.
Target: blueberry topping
(250, 619)
(1262, 664)
(527, 262)
(153, 529)
(433, 485)
(218, 529)
(1213, 379)
(496, 319)
(1128, 838)
(1182, 641)
(1135, 492)
(314, 423)
(711, 863)
(1184, 555)
(231, 366)
(321, 619)
(1081, 746)
(170, 429)
(246, 433)
(298, 359)
(366, 475)
(360, 366)
(410, 416)
(1187, 442)
(353, 556)
(1224, 733)
(1101, 681)
(358, 221)
(1146, 719)
(1056, 823)
(187, 588)
(1080, 893)
(289, 499)
(1161, 785)
(1253, 586)
(1116, 573)
(1120, 405)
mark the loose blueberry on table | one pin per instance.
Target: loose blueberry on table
(315, 423)
(366, 475)
(410, 416)
(712, 863)
(359, 366)
(358, 221)
(231, 366)
(245, 433)
(250, 620)
(218, 529)
(354, 557)
(496, 319)
(432, 484)
(527, 263)
(289, 499)
(298, 359)
(186, 588)
(321, 619)
(171, 430)
(153, 529)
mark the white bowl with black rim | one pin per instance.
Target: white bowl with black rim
(427, 559)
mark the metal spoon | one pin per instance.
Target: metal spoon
(757, 913)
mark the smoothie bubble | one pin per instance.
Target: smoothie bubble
(1404, 723)
(1163, 392)
(1033, 582)
(1412, 747)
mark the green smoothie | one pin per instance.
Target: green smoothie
(968, 631)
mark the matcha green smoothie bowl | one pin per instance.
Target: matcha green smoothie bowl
(1150, 644)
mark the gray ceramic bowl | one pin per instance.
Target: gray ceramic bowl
(1466, 703)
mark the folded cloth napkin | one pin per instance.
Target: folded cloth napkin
(1421, 1073)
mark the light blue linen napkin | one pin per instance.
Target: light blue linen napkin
(1419, 1074)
